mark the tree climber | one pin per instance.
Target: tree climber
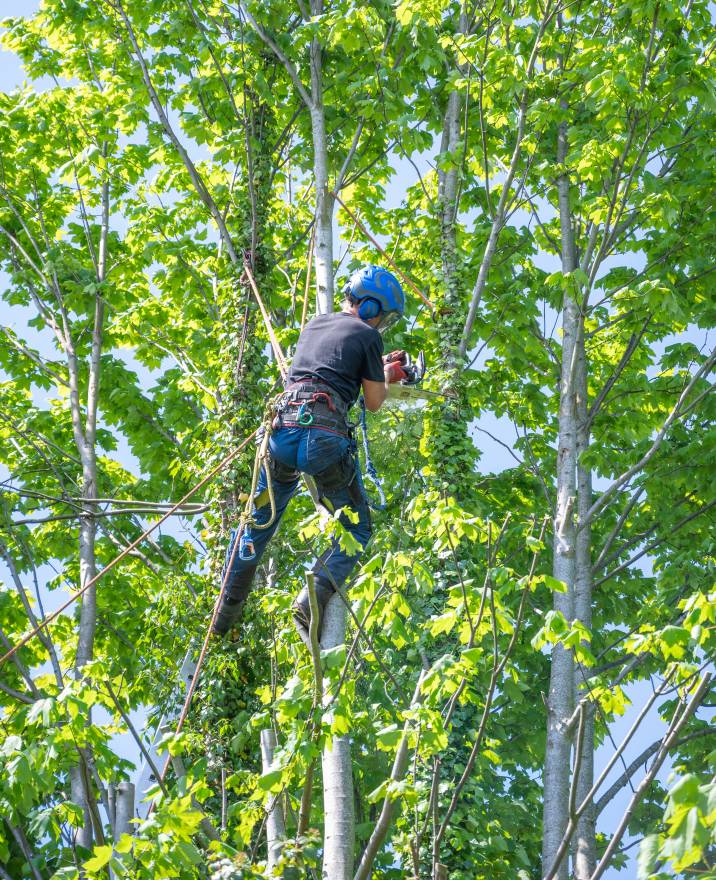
(337, 356)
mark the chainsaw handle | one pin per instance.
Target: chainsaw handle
(414, 369)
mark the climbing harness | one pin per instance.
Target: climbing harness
(309, 403)
(303, 417)
(370, 470)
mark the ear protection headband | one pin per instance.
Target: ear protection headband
(369, 308)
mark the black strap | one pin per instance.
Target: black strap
(306, 389)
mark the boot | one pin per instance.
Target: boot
(302, 609)
(232, 602)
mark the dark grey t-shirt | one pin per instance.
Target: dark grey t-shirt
(340, 350)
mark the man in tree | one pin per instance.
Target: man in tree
(337, 356)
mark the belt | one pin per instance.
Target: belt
(313, 391)
(313, 404)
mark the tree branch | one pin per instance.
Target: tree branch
(678, 721)
(631, 769)
(273, 46)
(673, 415)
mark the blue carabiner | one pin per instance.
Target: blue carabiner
(304, 418)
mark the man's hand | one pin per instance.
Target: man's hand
(396, 357)
(393, 364)
(394, 373)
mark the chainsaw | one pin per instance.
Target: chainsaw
(410, 388)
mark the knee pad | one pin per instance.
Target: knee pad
(339, 476)
(238, 585)
(281, 473)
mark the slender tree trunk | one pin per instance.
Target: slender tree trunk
(323, 253)
(338, 806)
(584, 843)
(447, 193)
(85, 438)
(275, 826)
(448, 183)
(88, 567)
(88, 623)
(561, 688)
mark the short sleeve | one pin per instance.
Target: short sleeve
(373, 365)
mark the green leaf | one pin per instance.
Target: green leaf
(472, 655)
(270, 781)
(389, 737)
(648, 856)
(102, 855)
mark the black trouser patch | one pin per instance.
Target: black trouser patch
(282, 473)
(339, 476)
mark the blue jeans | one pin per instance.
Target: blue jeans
(312, 451)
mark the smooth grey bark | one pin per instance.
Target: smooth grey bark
(275, 825)
(123, 809)
(85, 437)
(338, 806)
(390, 804)
(560, 701)
(585, 841)
(323, 247)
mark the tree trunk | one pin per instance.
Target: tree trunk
(584, 844)
(561, 688)
(275, 826)
(85, 438)
(323, 253)
(448, 182)
(338, 806)
(124, 810)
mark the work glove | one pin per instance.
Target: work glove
(396, 357)
(394, 373)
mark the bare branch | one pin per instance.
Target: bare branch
(673, 415)
(287, 63)
(680, 718)
(632, 768)
(634, 341)
(654, 544)
(33, 356)
(615, 532)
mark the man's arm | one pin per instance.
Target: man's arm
(374, 394)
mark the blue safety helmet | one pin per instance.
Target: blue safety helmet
(378, 294)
